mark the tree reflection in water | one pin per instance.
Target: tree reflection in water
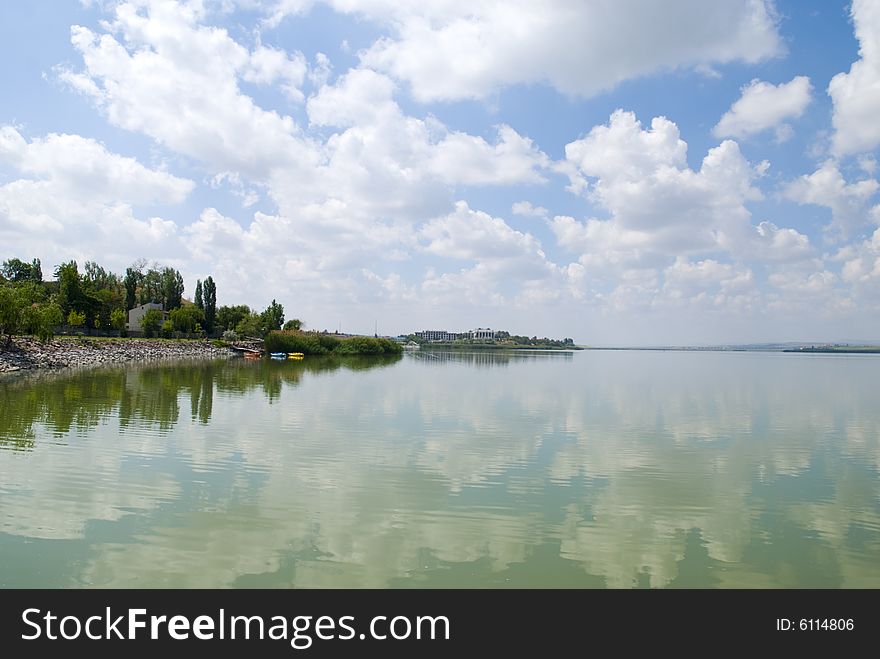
(77, 399)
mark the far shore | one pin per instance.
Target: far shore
(495, 346)
(838, 350)
(27, 353)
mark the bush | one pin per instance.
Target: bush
(306, 343)
(42, 319)
(118, 318)
(252, 325)
(186, 319)
(167, 329)
(76, 318)
(22, 309)
(230, 336)
(151, 322)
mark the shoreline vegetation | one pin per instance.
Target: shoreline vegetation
(318, 343)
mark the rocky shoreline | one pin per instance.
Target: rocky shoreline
(27, 353)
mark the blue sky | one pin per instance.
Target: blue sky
(626, 172)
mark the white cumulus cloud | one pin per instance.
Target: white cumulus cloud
(856, 95)
(465, 49)
(642, 178)
(763, 105)
(83, 167)
(849, 202)
(160, 72)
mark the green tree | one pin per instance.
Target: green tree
(70, 290)
(186, 318)
(102, 304)
(17, 271)
(13, 302)
(22, 309)
(151, 322)
(228, 318)
(97, 278)
(76, 318)
(172, 288)
(36, 271)
(42, 319)
(273, 317)
(199, 300)
(210, 300)
(167, 329)
(294, 324)
(118, 318)
(131, 281)
(250, 326)
(150, 289)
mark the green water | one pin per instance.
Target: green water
(593, 469)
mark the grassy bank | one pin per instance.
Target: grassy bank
(314, 343)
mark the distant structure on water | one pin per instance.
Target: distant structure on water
(441, 336)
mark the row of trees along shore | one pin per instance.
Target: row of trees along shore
(97, 300)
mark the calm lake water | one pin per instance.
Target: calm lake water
(593, 469)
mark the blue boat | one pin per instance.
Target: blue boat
(278, 355)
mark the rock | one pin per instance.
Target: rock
(26, 353)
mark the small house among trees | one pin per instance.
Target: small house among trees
(136, 315)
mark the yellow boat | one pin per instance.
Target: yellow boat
(295, 355)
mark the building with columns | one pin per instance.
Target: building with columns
(442, 336)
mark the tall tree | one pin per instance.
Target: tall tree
(199, 300)
(132, 280)
(105, 292)
(151, 286)
(70, 290)
(172, 288)
(36, 271)
(273, 317)
(97, 278)
(210, 301)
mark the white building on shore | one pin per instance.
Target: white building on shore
(137, 314)
(442, 336)
(483, 333)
